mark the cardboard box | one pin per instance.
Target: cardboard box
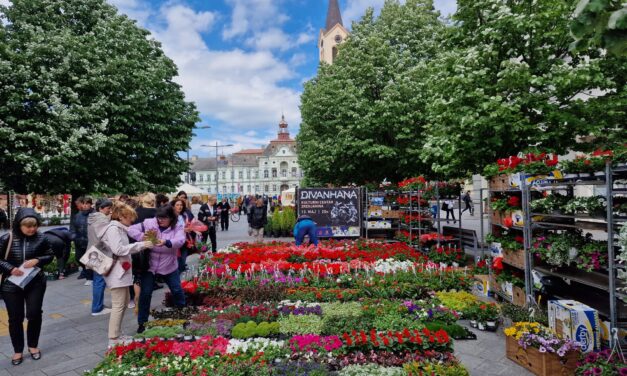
(574, 320)
(378, 224)
(376, 201)
(517, 218)
(518, 296)
(496, 250)
(481, 285)
(391, 214)
(375, 211)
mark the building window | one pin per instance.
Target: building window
(240, 174)
(274, 173)
(265, 174)
(248, 175)
(200, 177)
(265, 188)
(232, 174)
(256, 188)
(223, 175)
(256, 174)
(274, 188)
(294, 172)
(232, 189)
(248, 189)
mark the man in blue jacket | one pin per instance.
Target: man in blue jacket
(305, 226)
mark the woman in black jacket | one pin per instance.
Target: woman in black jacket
(30, 248)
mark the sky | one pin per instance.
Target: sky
(243, 62)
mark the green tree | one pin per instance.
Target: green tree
(87, 101)
(506, 81)
(363, 115)
(600, 22)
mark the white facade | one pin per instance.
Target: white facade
(252, 171)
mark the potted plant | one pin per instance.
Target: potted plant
(539, 350)
(487, 315)
(276, 224)
(267, 228)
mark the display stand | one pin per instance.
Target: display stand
(596, 289)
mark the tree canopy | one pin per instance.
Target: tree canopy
(497, 79)
(87, 101)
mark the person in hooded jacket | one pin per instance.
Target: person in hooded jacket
(30, 248)
(96, 222)
(60, 240)
(78, 227)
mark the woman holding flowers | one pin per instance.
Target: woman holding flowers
(167, 235)
(114, 241)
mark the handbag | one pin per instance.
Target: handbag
(6, 254)
(98, 261)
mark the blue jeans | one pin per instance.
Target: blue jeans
(97, 291)
(306, 228)
(183, 260)
(173, 280)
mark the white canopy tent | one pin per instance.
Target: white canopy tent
(190, 190)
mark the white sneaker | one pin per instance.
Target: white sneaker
(131, 304)
(105, 311)
(88, 283)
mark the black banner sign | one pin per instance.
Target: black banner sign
(336, 211)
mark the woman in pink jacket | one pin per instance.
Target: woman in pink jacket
(113, 239)
(163, 262)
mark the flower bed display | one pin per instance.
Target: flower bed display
(276, 309)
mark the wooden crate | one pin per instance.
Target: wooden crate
(392, 214)
(541, 364)
(497, 217)
(494, 286)
(500, 182)
(514, 257)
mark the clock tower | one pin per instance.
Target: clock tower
(333, 34)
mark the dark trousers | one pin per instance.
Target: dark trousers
(80, 251)
(33, 296)
(173, 280)
(469, 208)
(182, 259)
(224, 222)
(451, 212)
(211, 234)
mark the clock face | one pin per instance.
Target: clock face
(338, 38)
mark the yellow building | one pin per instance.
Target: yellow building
(333, 34)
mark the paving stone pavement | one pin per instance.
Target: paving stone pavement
(73, 341)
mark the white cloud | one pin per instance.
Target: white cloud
(253, 15)
(5, 2)
(298, 59)
(242, 89)
(276, 39)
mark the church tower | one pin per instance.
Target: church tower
(333, 34)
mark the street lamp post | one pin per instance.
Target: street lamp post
(217, 161)
(188, 165)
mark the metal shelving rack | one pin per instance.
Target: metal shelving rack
(366, 213)
(604, 283)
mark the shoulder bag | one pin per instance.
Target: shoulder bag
(98, 261)
(6, 253)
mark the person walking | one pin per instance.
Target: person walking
(78, 228)
(96, 223)
(225, 209)
(28, 248)
(163, 262)
(257, 219)
(305, 226)
(60, 240)
(468, 204)
(113, 241)
(449, 207)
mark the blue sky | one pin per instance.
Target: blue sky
(243, 61)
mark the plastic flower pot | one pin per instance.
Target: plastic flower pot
(188, 338)
(599, 174)
(570, 176)
(481, 325)
(491, 324)
(473, 323)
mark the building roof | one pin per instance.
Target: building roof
(334, 16)
(250, 151)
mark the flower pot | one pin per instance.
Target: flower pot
(473, 323)
(541, 364)
(571, 176)
(455, 265)
(491, 324)
(599, 174)
(481, 326)
(188, 338)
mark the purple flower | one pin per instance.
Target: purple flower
(622, 371)
(542, 349)
(596, 371)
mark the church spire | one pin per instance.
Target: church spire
(333, 15)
